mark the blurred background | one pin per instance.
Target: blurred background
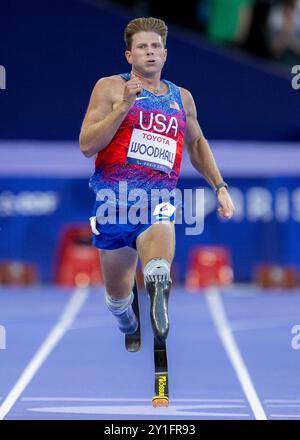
(235, 56)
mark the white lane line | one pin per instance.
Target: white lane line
(124, 399)
(225, 333)
(282, 401)
(181, 411)
(65, 321)
(286, 416)
(284, 405)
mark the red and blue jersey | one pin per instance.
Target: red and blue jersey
(146, 151)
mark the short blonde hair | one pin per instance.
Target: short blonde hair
(146, 24)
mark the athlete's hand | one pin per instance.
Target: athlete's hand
(226, 209)
(133, 88)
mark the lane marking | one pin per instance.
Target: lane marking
(65, 321)
(181, 411)
(124, 399)
(221, 322)
(284, 405)
(267, 401)
(286, 416)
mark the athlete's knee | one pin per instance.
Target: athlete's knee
(117, 285)
(157, 269)
(118, 305)
(118, 292)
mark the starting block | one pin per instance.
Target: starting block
(208, 266)
(275, 276)
(17, 273)
(78, 261)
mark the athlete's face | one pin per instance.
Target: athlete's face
(147, 54)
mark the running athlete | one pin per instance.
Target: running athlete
(137, 124)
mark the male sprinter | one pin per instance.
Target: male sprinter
(127, 111)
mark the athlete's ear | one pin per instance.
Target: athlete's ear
(166, 53)
(128, 56)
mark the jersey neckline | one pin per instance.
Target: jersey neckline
(163, 94)
(151, 93)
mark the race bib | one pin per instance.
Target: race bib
(151, 150)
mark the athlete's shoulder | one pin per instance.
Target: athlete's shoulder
(185, 93)
(108, 88)
(110, 81)
(187, 100)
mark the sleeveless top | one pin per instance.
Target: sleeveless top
(146, 151)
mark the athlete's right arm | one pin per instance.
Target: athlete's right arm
(104, 115)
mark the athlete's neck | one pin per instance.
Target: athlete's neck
(152, 83)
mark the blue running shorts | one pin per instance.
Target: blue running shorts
(114, 228)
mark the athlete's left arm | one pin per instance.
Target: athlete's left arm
(201, 155)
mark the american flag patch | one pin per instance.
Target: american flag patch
(174, 104)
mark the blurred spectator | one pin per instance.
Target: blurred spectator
(284, 32)
(183, 14)
(257, 41)
(266, 28)
(229, 21)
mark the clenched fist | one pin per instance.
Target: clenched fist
(133, 88)
(226, 209)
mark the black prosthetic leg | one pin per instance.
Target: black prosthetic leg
(159, 296)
